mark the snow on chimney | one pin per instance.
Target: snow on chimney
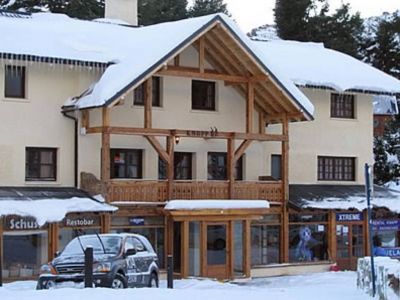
(125, 10)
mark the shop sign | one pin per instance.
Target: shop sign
(83, 221)
(349, 217)
(390, 251)
(388, 225)
(137, 221)
(21, 223)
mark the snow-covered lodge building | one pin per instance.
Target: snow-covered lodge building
(168, 124)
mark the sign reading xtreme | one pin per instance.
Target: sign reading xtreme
(349, 217)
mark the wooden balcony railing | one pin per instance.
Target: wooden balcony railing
(156, 191)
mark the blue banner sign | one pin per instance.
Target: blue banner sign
(349, 217)
(390, 251)
(388, 225)
(137, 221)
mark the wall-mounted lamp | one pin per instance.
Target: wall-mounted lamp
(177, 140)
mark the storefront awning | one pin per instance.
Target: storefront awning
(48, 204)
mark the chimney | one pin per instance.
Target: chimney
(125, 10)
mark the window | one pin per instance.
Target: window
(342, 106)
(140, 93)
(40, 164)
(336, 168)
(217, 162)
(276, 166)
(182, 166)
(203, 95)
(14, 82)
(126, 163)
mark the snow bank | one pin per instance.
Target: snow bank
(215, 204)
(313, 64)
(51, 210)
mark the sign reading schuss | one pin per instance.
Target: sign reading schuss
(21, 223)
(81, 221)
(349, 217)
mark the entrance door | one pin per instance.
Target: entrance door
(350, 245)
(217, 250)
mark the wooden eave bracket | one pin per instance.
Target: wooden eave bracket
(159, 149)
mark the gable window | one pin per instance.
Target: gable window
(336, 168)
(342, 106)
(126, 163)
(40, 164)
(276, 166)
(140, 93)
(203, 95)
(217, 167)
(14, 82)
(182, 166)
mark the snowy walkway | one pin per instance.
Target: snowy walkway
(326, 286)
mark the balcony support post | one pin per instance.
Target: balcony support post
(170, 166)
(231, 167)
(285, 190)
(148, 102)
(105, 146)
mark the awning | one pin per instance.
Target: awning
(48, 204)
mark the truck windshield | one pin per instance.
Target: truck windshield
(112, 245)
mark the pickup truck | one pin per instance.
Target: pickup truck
(120, 261)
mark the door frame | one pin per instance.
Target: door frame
(351, 261)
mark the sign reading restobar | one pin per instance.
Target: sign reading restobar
(349, 217)
(388, 225)
(81, 221)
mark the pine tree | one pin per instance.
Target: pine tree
(158, 11)
(206, 7)
(291, 17)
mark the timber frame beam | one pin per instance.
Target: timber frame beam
(188, 133)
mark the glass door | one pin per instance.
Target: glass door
(216, 250)
(349, 245)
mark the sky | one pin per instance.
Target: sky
(253, 13)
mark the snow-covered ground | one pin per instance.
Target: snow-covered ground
(326, 286)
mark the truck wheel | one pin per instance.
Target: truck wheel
(153, 281)
(119, 282)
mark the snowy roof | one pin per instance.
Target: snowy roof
(385, 105)
(135, 53)
(341, 197)
(311, 64)
(216, 204)
(47, 204)
(264, 33)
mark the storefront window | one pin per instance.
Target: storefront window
(238, 247)
(265, 241)
(308, 237)
(194, 248)
(386, 237)
(151, 227)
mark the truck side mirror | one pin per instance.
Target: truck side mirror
(57, 254)
(131, 251)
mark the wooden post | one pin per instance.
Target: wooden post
(285, 160)
(249, 107)
(53, 238)
(105, 223)
(201, 54)
(85, 121)
(105, 146)
(230, 167)
(185, 250)
(231, 250)
(261, 123)
(247, 248)
(148, 102)
(170, 166)
(332, 235)
(285, 234)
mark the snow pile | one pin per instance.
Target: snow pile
(135, 53)
(385, 105)
(311, 64)
(216, 204)
(356, 202)
(333, 286)
(52, 210)
(264, 33)
(393, 185)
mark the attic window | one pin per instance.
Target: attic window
(140, 93)
(342, 106)
(14, 82)
(203, 95)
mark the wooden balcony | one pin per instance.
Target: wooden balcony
(156, 191)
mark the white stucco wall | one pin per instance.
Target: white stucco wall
(326, 136)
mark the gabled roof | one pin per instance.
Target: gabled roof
(313, 65)
(134, 53)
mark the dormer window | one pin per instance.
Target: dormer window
(14, 82)
(342, 106)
